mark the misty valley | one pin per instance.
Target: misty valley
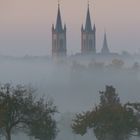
(69, 70)
(73, 84)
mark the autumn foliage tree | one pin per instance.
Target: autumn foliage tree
(20, 110)
(110, 120)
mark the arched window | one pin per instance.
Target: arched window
(61, 43)
(84, 42)
(55, 43)
(90, 43)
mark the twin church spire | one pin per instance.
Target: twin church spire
(59, 27)
(88, 25)
(59, 37)
(88, 36)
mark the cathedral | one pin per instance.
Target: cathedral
(88, 37)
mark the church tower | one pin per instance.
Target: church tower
(88, 36)
(105, 49)
(59, 37)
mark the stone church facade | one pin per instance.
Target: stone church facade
(88, 37)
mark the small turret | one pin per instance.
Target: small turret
(65, 28)
(105, 49)
(52, 27)
(94, 28)
(82, 28)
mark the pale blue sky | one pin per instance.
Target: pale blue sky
(25, 25)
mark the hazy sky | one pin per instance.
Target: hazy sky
(25, 25)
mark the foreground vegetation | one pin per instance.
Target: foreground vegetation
(110, 120)
(21, 111)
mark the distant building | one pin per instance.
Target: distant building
(88, 39)
(105, 49)
(59, 37)
(88, 36)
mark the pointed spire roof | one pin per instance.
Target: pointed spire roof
(88, 26)
(105, 40)
(58, 26)
(105, 48)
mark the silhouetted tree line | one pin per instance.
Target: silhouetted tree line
(110, 120)
(115, 64)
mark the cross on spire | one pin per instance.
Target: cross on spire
(88, 3)
(88, 26)
(58, 26)
(58, 3)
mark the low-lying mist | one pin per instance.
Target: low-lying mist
(73, 85)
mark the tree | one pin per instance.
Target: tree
(135, 107)
(116, 63)
(43, 125)
(136, 67)
(110, 120)
(19, 110)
